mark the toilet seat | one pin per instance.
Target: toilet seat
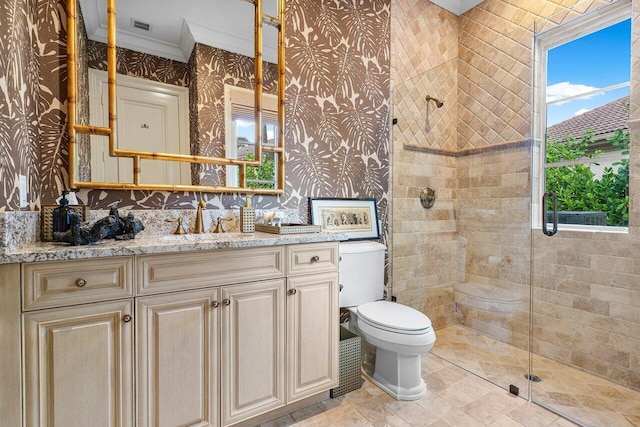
(393, 317)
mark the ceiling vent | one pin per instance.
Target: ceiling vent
(138, 24)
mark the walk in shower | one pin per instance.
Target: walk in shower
(551, 316)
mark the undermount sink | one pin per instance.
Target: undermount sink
(204, 236)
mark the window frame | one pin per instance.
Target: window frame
(545, 41)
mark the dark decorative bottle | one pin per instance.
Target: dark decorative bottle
(61, 217)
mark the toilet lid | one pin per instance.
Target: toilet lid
(393, 316)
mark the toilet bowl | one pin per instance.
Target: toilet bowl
(400, 335)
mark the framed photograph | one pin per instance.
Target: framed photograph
(357, 218)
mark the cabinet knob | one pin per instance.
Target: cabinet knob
(226, 301)
(127, 318)
(81, 283)
(293, 291)
(315, 258)
(215, 304)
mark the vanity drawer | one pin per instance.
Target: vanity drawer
(179, 271)
(62, 283)
(312, 258)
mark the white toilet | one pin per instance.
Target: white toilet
(400, 334)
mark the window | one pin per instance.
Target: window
(585, 73)
(240, 137)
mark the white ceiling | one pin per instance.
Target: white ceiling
(177, 25)
(457, 6)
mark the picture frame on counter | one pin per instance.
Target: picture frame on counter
(357, 218)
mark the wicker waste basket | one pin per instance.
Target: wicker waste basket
(349, 364)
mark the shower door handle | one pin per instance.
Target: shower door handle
(550, 195)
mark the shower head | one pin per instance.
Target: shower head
(437, 101)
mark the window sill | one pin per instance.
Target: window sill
(588, 229)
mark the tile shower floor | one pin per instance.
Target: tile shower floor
(591, 400)
(455, 398)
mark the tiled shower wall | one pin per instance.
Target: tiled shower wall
(492, 216)
(494, 133)
(425, 259)
(586, 285)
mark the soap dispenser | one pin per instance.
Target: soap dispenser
(247, 216)
(61, 219)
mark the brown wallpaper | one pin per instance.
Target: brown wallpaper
(19, 74)
(51, 33)
(337, 109)
(138, 64)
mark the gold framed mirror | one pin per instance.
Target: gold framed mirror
(207, 161)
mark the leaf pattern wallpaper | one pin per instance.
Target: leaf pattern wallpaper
(337, 106)
(19, 119)
(337, 136)
(138, 64)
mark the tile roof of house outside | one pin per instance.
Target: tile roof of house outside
(602, 121)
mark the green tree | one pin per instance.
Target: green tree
(577, 187)
(264, 175)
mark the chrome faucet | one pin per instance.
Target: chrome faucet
(199, 225)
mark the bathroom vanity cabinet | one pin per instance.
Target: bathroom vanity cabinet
(207, 338)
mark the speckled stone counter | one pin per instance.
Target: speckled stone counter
(47, 251)
(20, 234)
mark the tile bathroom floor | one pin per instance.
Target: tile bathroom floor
(455, 397)
(591, 400)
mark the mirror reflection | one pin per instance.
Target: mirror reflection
(185, 80)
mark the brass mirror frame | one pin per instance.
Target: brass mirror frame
(77, 128)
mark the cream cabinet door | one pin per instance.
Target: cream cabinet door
(312, 335)
(78, 366)
(177, 359)
(252, 349)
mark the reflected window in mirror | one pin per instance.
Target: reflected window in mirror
(240, 136)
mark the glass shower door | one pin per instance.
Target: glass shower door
(584, 341)
(490, 337)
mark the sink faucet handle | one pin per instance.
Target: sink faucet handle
(180, 229)
(219, 228)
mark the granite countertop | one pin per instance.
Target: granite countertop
(156, 244)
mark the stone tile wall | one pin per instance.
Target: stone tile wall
(586, 285)
(492, 201)
(587, 303)
(425, 252)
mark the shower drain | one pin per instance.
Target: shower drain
(534, 378)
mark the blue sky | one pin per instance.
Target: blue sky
(595, 61)
(245, 129)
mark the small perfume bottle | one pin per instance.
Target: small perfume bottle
(61, 219)
(247, 216)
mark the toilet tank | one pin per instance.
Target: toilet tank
(361, 272)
